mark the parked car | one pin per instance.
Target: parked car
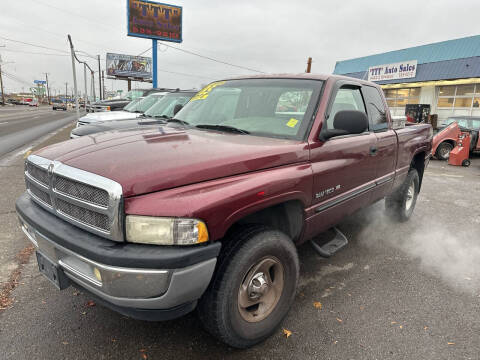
(59, 104)
(33, 103)
(164, 109)
(131, 111)
(447, 136)
(207, 210)
(120, 103)
(13, 101)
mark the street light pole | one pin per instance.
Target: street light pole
(74, 76)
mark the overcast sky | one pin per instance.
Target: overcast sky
(272, 36)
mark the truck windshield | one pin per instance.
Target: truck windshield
(472, 124)
(165, 107)
(281, 108)
(132, 105)
(133, 94)
(146, 103)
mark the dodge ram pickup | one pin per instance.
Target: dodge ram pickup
(206, 211)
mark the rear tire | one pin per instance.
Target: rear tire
(443, 151)
(257, 266)
(466, 163)
(399, 206)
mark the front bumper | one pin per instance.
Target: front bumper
(143, 281)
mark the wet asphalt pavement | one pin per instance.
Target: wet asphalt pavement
(21, 124)
(397, 291)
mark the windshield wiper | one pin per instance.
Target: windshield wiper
(161, 117)
(178, 121)
(224, 128)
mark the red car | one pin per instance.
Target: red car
(208, 209)
(446, 139)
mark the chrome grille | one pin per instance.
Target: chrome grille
(86, 200)
(86, 216)
(81, 191)
(41, 194)
(38, 173)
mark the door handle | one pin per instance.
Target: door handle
(373, 150)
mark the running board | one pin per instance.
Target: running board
(327, 247)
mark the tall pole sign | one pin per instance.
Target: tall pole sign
(156, 21)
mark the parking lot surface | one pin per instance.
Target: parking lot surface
(397, 291)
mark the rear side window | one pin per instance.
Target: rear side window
(375, 108)
(345, 99)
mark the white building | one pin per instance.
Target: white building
(445, 75)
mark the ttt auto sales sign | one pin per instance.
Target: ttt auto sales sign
(154, 20)
(401, 70)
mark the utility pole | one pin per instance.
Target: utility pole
(66, 86)
(1, 80)
(99, 78)
(93, 86)
(309, 65)
(74, 76)
(103, 86)
(85, 84)
(1, 85)
(48, 90)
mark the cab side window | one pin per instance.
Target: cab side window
(376, 108)
(346, 99)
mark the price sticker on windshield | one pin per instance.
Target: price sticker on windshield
(203, 94)
(292, 122)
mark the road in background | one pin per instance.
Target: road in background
(397, 291)
(20, 125)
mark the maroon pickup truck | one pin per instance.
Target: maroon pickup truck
(207, 209)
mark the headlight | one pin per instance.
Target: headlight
(165, 231)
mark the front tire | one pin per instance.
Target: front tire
(253, 287)
(399, 206)
(443, 151)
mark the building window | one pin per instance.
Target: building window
(459, 96)
(402, 97)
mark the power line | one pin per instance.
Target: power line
(38, 46)
(36, 27)
(208, 58)
(96, 22)
(16, 78)
(33, 53)
(185, 74)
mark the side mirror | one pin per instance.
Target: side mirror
(346, 122)
(177, 108)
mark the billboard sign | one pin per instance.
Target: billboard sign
(154, 20)
(119, 65)
(39, 82)
(401, 70)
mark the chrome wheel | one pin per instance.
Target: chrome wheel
(445, 152)
(261, 289)
(410, 196)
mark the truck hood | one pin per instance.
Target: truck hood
(116, 125)
(108, 115)
(157, 158)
